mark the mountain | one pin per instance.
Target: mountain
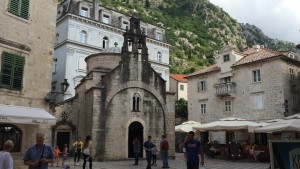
(195, 28)
(254, 35)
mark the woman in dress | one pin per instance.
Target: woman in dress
(65, 154)
(6, 160)
(87, 151)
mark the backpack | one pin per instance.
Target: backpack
(165, 145)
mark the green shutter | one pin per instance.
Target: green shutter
(19, 8)
(6, 71)
(12, 71)
(14, 7)
(24, 9)
(18, 72)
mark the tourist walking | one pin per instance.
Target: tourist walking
(164, 147)
(136, 150)
(78, 146)
(40, 154)
(193, 148)
(6, 161)
(87, 152)
(148, 145)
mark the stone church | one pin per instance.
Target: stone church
(121, 97)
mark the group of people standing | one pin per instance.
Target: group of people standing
(151, 151)
(39, 155)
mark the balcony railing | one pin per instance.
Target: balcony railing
(225, 89)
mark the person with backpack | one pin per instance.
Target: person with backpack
(164, 147)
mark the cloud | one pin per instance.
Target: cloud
(278, 19)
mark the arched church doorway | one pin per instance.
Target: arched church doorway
(135, 129)
(63, 138)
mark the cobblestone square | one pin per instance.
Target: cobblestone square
(178, 163)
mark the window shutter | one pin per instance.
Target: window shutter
(24, 9)
(18, 73)
(7, 68)
(198, 86)
(14, 7)
(12, 71)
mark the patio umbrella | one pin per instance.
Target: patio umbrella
(288, 124)
(187, 126)
(231, 123)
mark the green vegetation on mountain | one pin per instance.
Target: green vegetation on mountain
(196, 29)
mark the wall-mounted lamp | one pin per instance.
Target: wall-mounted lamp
(64, 86)
(51, 96)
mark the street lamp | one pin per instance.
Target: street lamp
(64, 86)
(51, 96)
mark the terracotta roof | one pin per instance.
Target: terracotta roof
(205, 70)
(178, 77)
(253, 55)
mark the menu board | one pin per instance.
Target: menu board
(284, 154)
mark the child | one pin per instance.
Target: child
(154, 152)
(56, 156)
(65, 154)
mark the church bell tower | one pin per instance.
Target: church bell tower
(134, 54)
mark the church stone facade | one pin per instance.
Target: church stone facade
(121, 97)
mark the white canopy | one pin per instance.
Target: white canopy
(25, 115)
(230, 123)
(289, 124)
(187, 126)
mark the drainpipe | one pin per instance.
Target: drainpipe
(96, 9)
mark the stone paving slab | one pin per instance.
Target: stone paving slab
(178, 163)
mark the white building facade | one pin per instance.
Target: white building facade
(81, 32)
(178, 84)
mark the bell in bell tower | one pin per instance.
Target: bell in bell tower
(134, 55)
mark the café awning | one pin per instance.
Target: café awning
(228, 124)
(185, 127)
(25, 115)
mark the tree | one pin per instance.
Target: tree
(181, 108)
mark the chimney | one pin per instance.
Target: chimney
(96, 9)
(256, 47)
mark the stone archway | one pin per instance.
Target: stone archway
(135, 129)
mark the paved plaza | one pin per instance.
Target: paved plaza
(179, 163)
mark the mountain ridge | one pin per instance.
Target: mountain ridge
(196, 29)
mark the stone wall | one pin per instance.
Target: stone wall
(274, 88)
(32, 39)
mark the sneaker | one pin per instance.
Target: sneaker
(77, 164)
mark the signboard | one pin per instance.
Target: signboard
(285, 154)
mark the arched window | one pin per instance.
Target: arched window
(83, 37)
(136, 100)
(10, 132)
(159, 57)
(105, 43)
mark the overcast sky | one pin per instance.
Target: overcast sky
(278, 19)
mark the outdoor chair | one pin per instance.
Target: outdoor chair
(234, 150)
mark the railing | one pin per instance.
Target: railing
(225, 89)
